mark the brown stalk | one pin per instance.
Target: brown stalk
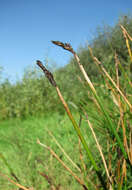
(50, 77)
(68, 47)
(65, 105)
(70, 115)
(63, 164)
(127, 44)
(125, 31)
(100, 151)
(63, 151)
(121, 121)
(48, 179)
(114, 84)
(126, 36)
(17, 184)
(10, 169)
(124, 172)
(120, 108)
(77, 129)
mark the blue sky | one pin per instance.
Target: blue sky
(28, 26)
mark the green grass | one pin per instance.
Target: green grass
(18, 145)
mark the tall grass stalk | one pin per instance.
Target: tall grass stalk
(76, 127)
(13, 182)
(63, 151)
(110, 124)
(112, 128)
(100, 151)
(109, 77)
(63, 164)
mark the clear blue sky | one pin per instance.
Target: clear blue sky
(28, 26)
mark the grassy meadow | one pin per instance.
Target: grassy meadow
(19, 146)
(72, 129)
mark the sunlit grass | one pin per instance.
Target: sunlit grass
(18, 145)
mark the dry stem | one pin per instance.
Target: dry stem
(10, 180)
(63, 164)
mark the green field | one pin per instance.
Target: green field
(18, 144)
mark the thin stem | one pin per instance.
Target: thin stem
(77, 129)
(100, 150)
(10, 180)
(63, 164)
(66, 155)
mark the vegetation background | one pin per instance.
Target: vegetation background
(28, 108)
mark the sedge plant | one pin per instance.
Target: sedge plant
(119, 131)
